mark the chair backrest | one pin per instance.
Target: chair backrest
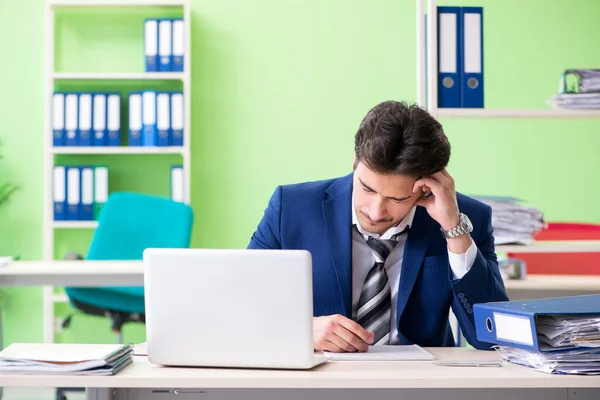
(129, 223)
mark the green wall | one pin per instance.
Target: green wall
(279, 88)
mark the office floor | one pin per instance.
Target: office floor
(37, 394)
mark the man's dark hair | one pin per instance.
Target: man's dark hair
(396, 138)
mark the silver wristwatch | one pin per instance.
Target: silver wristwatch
(464, 226)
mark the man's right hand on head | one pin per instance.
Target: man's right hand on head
(339, 334)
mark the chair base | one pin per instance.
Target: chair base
(118, 318)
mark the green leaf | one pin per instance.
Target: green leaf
(5, 191)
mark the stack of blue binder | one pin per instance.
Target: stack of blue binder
(164, 45)
(460, 57)
(79, 192)
(556, 335)
(155, 118)
(86, 119)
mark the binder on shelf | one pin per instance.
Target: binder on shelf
(71, 117)
(163, 119)
(165, 52)
(178, 45)
(58, 119)
(177, 119)
(151, 44)
(59, 192)
(87, 194)
(516, 323)
(135, 119)
(99, 137)
(84, 131)
(113, 122)
(73, 193)
(449, 60)
(471, 48)
(177, 183)
(100, 188)
(149, 135)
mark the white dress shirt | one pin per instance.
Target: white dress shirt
(363, 260)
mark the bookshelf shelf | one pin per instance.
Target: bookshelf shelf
(180, 76)
(516, 113)
(119, 150)
(116, 3)
(75, 224)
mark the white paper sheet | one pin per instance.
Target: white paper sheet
(385, 353)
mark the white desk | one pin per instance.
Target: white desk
(131, 273)
(335, 380)
(72, 273)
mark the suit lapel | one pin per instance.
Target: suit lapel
(422, 230)
(338, 219)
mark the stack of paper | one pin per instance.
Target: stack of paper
(578, 88)
(568, 331)
(575, 100)
(512, 221)
(59, 358)
(412, 352)
(581, 361)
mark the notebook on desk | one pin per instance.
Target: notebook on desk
(63, 358)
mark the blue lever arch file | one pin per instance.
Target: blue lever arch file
(165, 42)
(449, 65)
(471, 49)
(515, 323)
(151, 44)
(178, 45)
(71, 119)
(58, 119)
(135, 119)
(73, 193)
(113, 122)
(59, 192)
(84, 131)
(99, 121)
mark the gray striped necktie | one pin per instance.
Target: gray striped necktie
(375, 303)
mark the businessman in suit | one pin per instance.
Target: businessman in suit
(393, 245)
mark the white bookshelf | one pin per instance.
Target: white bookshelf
(53, 77)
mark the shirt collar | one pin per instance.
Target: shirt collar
(406, 221)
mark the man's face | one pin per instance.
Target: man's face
(381, 201)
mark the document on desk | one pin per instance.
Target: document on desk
(65, 358)
(386, 353)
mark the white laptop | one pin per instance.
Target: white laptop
(230, 308)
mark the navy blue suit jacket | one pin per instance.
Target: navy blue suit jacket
(317, 216)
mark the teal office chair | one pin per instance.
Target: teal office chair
(128, 224)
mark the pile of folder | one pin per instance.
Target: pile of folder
(578, 88)
(164, 45)
(513, 221)
(556, 335)
(571, 362)
(61, 358)
(79, 192)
